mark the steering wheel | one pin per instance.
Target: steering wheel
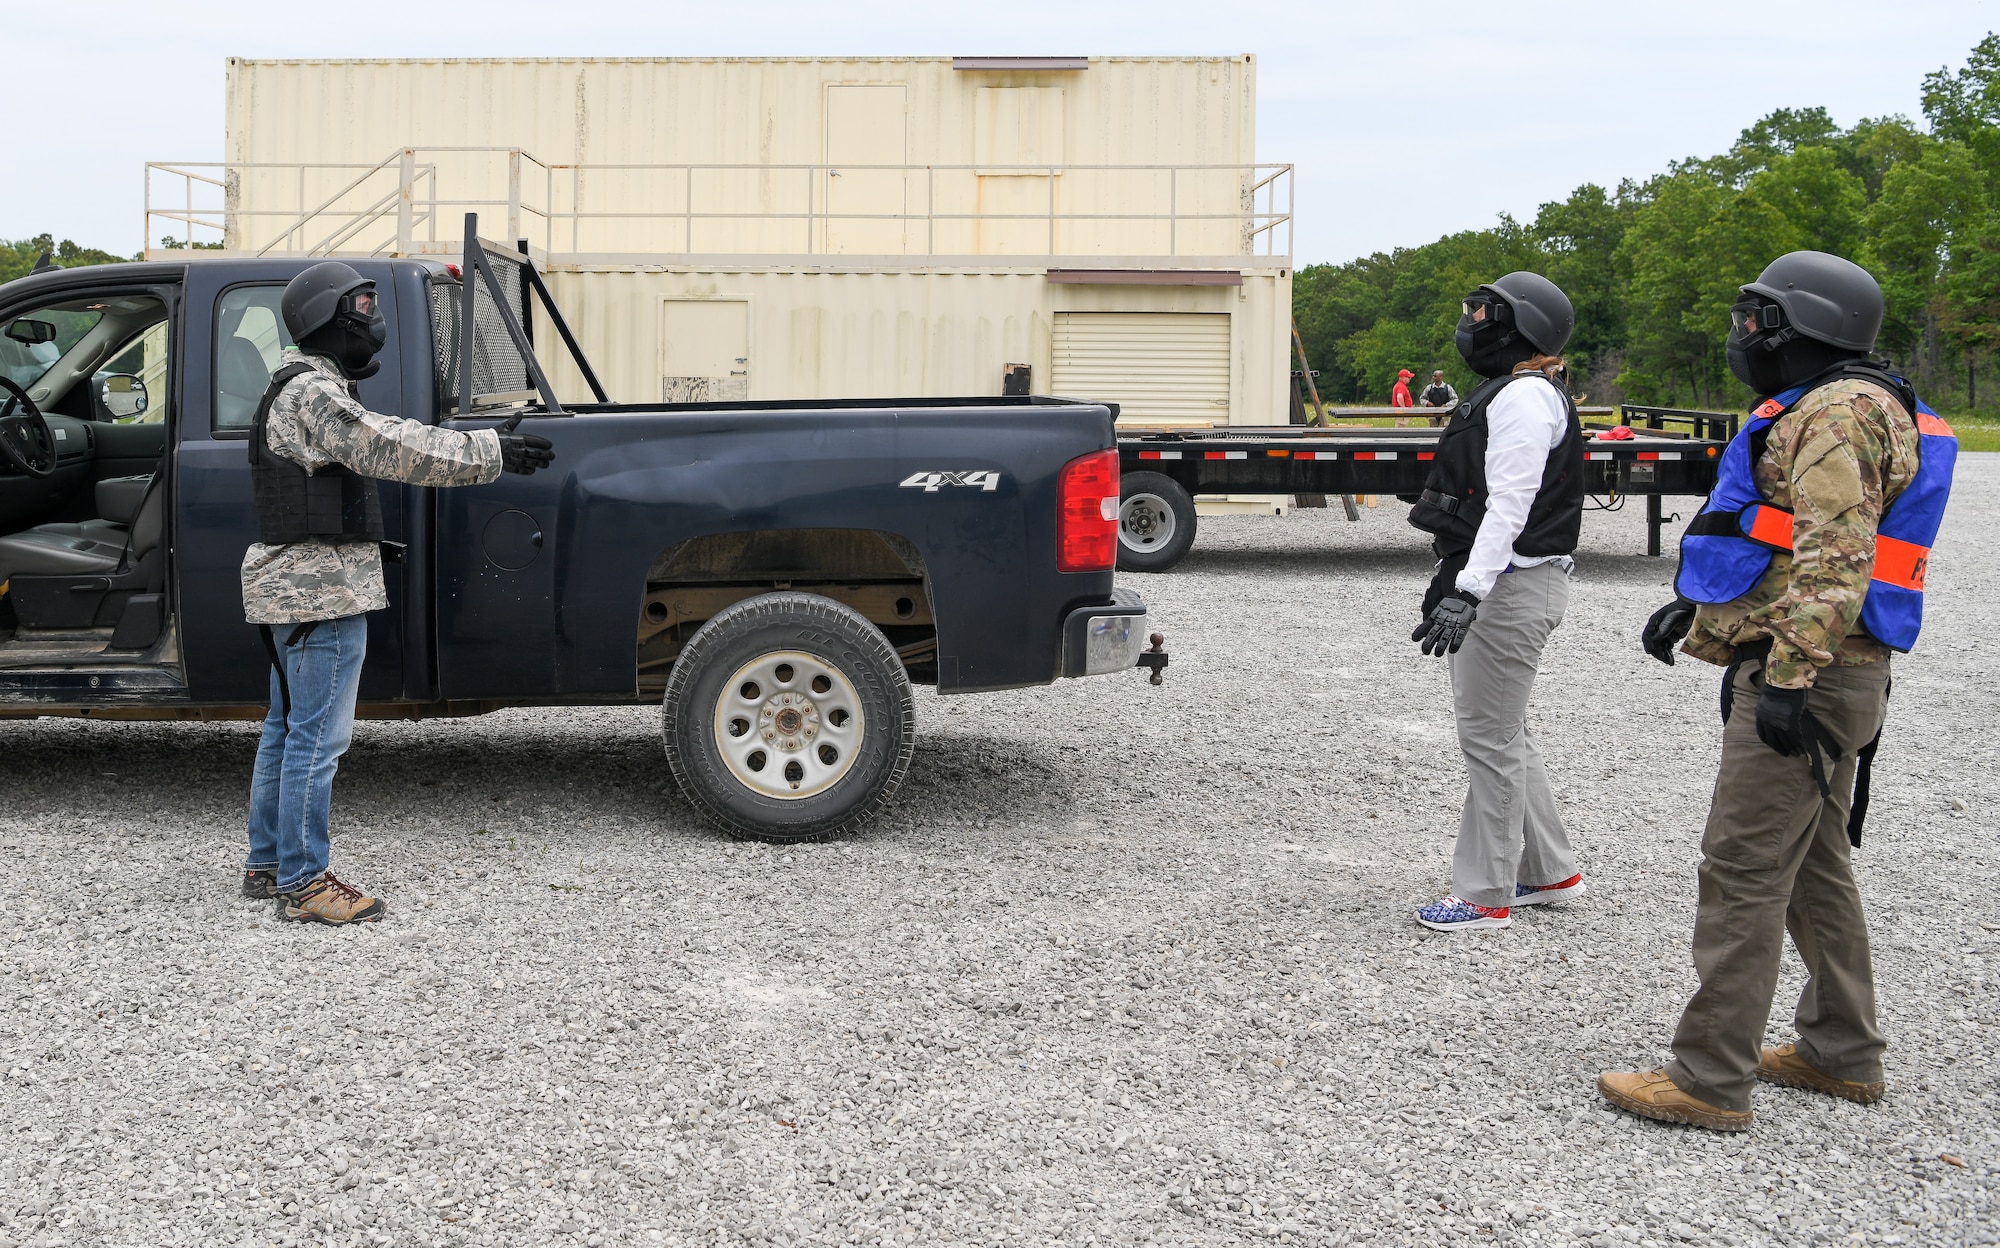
(17, 428)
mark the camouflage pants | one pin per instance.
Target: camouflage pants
(1775, 859)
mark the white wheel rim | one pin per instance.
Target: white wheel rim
(1145, 522)
(789, 725)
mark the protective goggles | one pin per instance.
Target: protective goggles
(1482, 309)
(361, 304)
(1756, 317)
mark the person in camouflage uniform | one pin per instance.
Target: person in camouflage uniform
(310, 594)
(1776, 848)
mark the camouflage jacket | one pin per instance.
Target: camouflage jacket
(315, 421)
(1836, 462)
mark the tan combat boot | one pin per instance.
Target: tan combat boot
(327, 900)
(1650, 1094)
(1783, 1065)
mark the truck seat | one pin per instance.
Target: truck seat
(117, 499)
(61, 550)
(241, 377)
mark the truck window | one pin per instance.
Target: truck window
(145, 359)
(444, 341)
(250, 339)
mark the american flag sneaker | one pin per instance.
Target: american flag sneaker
(1451, 915)
(1561, 890)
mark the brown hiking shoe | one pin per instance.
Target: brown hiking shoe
(327, 900)
(260, 885)
(1650, 1094)
(1783, 1065)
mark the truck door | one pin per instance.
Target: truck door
(85, 612)
(235, 341)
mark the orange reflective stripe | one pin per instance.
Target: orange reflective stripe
(1901, 563)
(1769, 526)
(1933, 426)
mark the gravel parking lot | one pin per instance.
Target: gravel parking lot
(1123, 965)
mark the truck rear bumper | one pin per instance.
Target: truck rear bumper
(1105, 638)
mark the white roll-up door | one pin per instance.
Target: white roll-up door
(1159, 367)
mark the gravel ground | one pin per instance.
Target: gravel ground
(1122, 965)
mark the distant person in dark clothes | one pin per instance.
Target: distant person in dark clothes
(1439, 394)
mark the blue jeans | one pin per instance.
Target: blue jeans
(291, 792)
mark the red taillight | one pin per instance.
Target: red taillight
(453, 269)
(1087, 514)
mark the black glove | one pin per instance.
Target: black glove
(525, 452)
(1783, 723)
(1666, 629)
(1444, 630)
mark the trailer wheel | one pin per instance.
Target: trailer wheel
(788, 718)
(1155, 522)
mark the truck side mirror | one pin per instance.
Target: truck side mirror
(123, 395)
(31, 333)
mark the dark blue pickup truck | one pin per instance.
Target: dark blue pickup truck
(774, 574)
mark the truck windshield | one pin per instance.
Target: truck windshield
(117, 341)
(30, 345)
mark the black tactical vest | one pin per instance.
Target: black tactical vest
(1435, 395)
(335, 505)
(1454, 499)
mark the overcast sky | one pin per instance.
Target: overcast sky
(1406, 120)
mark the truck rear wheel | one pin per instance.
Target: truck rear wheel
(1155, 522)
(788, 718)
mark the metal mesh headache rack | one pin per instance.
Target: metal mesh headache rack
(485, 350)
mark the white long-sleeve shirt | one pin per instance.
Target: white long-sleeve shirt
(1524, 423)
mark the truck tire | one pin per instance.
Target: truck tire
(1155, 522)
(788, 718)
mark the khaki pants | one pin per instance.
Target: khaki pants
(1509, 831)
(1775, 859)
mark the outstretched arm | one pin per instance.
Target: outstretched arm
(390, 448)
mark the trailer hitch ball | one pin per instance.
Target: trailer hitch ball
(1155, 659)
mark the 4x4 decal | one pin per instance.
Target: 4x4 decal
(928, 482)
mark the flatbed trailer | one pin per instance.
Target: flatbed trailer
(1670, 451)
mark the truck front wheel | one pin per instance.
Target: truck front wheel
(1155, 522)
(788, 718)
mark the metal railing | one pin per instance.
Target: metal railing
(393, 207)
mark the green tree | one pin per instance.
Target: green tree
(17, 259)
(1924, 219)
(1668, 359)
(1579, 239)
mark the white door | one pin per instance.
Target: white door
(1161, 368)
(865, 126)
(704, 350)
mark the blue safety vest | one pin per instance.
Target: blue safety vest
(1727, 548)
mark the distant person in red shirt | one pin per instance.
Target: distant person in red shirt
(1400, 396)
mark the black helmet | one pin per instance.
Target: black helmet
(1822, 297)
(331, 310)
(313, 298)
(1510, 320)
(1542, 312)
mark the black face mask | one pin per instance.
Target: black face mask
(1771, 360)
(354, 336)
(1486, 337)
(354, 350)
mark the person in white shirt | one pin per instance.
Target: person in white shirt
(1505, 505)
